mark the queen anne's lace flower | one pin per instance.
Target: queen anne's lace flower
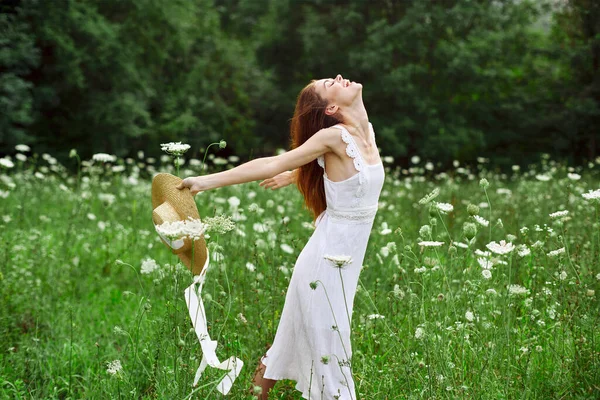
(338, 261)
(430, 196)
(114, 367)
(481, 221)
(522, 250)
(5, 162)
(103, 157)
(444, 207)
(556, 252)
(148, 266)
(501, 248)
(517, 290)
(559, 214)
(592, 195)
(430, 244)
(174, 148)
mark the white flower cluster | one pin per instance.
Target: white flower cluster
(559, 214)
(338, 261)
(148, 266)
(6, 162)
(592, 195)
(481, 221)
(103, 157)
(517, 290)
(522, 250)
(114, 367)
(430, 244)
(556, 252)
(501, 248)
(174, 148)
(190, 228)
(430, 196)
(444, 207)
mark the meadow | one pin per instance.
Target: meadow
(476, 284)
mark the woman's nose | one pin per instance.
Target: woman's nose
(339, 77)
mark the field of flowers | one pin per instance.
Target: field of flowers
(475, 284)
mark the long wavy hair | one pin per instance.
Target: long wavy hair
(309, 117)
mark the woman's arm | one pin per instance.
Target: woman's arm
(265, 167)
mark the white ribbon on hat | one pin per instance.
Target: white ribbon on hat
(209, 357)
(195, 305)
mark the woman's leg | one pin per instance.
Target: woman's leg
(259, 380)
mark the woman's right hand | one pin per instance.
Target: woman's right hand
(196, 184)
(278, 181)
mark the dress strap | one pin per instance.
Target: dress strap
(351, 148)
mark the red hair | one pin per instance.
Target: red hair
(309, 117)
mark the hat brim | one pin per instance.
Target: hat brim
(164, 189)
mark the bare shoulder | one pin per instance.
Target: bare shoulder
(330, 136)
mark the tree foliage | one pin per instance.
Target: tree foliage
(445, 80)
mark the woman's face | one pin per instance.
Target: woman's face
(338, 92)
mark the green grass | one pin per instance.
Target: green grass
(63, 292)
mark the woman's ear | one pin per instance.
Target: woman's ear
(331, 109)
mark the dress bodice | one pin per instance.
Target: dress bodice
(354, 199)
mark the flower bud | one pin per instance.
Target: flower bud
(222, 144)
(473, 209)
(469, 230)
(484, 183)
(452, 250)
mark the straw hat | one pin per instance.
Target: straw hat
(170, 204)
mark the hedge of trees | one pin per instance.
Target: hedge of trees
(445, 80)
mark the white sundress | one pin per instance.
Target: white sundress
(312, 344)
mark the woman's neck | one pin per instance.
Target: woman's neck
(356, 117)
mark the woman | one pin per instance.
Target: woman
(330, 129)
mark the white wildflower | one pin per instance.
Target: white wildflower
(485, 264)
(174, 148)
(469, 316)
(5, 162)
(444, 207)
(22, 148)
(287, 248)
(562, 276)
(501, 248)
(515, 289)
(573, 176)
(481, 221)
(556, 252)
(559, 214)
(149, 266)
(482, 253)
(419, 332)
(250, 267)
(486, 273)
(435, 193)
(375, 316)
(415, 159)
(523, 251)
(103, 157)
(430, 244)
(591, 195)
(114, 367)
(338, 261)
(542, 177)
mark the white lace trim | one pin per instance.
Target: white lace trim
(365, 214)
